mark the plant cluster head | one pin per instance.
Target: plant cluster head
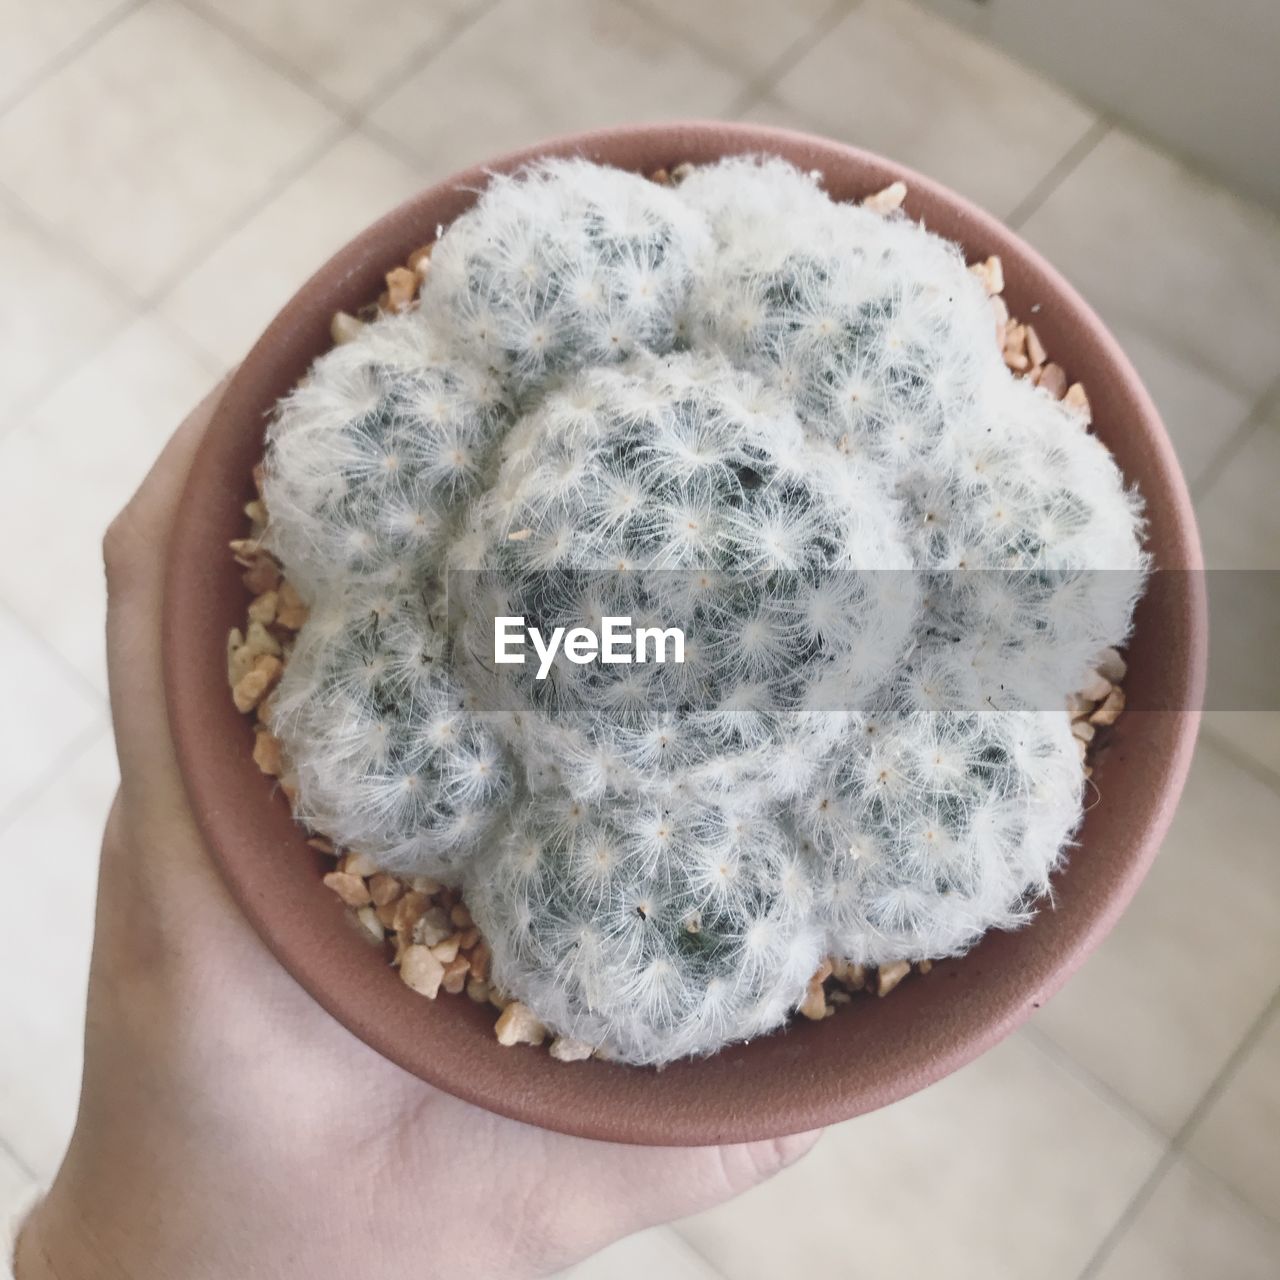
(780, 425)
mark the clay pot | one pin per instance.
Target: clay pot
(814, 1073)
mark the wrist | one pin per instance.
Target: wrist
(90, 1227)
(42, 1253)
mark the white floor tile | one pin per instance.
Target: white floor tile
(1254, 733)
(647, 1256)
(894, 79)
(49, 858)
(1191, 1230)
(523, 73)
(347, 46)
(35, 34)
(1239, 1136)
(1157, 248)
(1009, 1169)
(145, 146)
(1240, 529)
(1159, 1008)
(14, 1181)
(69, 467)
(226, 301)
(46, 710)
(1200, 412)
(1239, 516)
(52, 314)
(748, 34)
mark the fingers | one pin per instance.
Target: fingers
(745, 1165)
(134, 554)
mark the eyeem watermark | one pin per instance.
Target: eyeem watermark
(617, 642)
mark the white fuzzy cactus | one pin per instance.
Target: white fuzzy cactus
(655, 926)
(683, 492)
(782, 425)
(390, 761)
(374, 455)
(932, 827)
(566, 265)
(875, 328)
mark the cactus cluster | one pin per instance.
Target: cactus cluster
(781, 424)
(683, 492)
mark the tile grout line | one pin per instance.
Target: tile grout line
(1101, 1090)
(71, 754)
(349, 119)
(289, 173)
(1177, 1145)
(1225, 1189)
(266, 55)
(69, 248)
(1241, 759)
(422, 57)
(1118, 1230)
(84, 41)
(1263, 408)
(710, 1263)
(710, 52)
(83, 684)
(133, 304)
(23, 1167)
(388, 141)
(1063, 167)
(759, 86)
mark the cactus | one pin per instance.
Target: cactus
(1031, 543)
(371, 458)
(680, 491)
(934, 826)
(781, 424)
(390, 760)
(655, 926)
(873, 326)
(565, 265)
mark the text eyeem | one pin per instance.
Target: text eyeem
(616, 642)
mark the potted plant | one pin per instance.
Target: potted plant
(798, 431)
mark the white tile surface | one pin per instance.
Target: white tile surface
(63, 314)
(1159, 249)
(750, 35)
(1200, 412)
(152, 140)
(1239, 516)
(1156, 1012)
(347, 46)
(49, 858)
(1256, 734)
(67, 470)
(1191, 1230)
(897, 80)
(46, 711)
(647, 1256)
(226, 301)
(14, 1182)
(1240, 528)
(525, 72)
(1239, 1136)
(36, 34)
(1010, 1169)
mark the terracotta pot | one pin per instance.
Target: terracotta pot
(814, 1073)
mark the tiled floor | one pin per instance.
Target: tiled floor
(171, 169)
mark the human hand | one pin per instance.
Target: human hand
(228, 1126)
